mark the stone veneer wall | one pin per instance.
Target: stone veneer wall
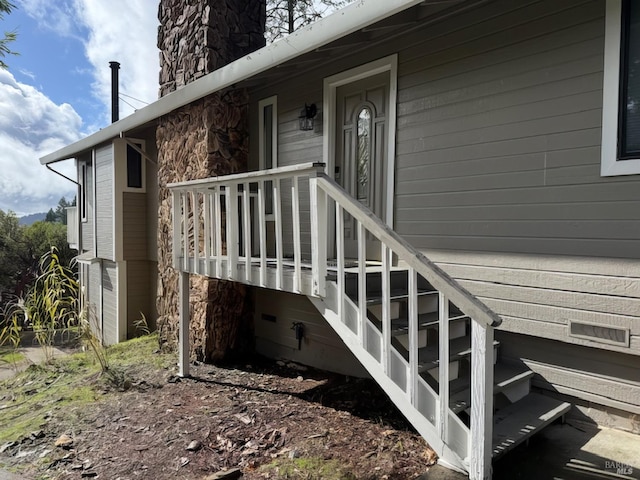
(196, 37)
(206, 138)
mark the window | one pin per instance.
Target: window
(134, 167)
(83, 191)
(629, 129)
(268, 141)
(621, 89)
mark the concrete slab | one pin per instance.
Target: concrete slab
(565, 452)
(573, 451)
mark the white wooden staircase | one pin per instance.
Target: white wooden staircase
(427, 341)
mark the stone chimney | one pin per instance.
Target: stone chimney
(198, 37)
(206, 138)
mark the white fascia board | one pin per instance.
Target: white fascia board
(352, 18)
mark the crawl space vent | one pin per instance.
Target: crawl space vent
(600, 333)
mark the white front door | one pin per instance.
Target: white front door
(361, 164)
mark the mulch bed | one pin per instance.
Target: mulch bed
(245, 417)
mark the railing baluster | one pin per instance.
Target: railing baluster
(183, 324)
(362, 284)
(176, 203)
(206, 212)
(246, 217)
(386, 309)
(318, 200)
(443, 365)
(218, 230)
(297, 252)
(232, 230)
(413, 336)
(262, 233)
(196, 231)
(185, 245)
(340, 259)
(481, 400)
(277, 214)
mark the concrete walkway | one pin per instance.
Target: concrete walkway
(33, 354)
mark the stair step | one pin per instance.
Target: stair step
(504, 376)
(400, 326)
(375, 298)
(517, 422)
(459, 348)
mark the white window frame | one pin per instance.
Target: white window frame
(83, 204)
(140, 146)
(262, 160)
(262, 104)
(610, 164)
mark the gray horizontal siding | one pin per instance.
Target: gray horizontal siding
(134, 226)
(541, 295)
(321, 347)
(498, 147)
(94, 298)
(597, 376)
(138, 295)
(105, 201)
(110, 303)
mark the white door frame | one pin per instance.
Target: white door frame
(331, 84)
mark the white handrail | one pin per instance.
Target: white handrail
(440, 280)
(253, 176)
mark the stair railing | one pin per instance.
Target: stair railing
(473, 445)
(220, 230)
(231, 227)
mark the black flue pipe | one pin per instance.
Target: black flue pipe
(115, 106)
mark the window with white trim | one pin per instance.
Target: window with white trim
(621, 89)
(134, 166)
(268, 141)
(83, 191)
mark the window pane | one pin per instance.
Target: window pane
(364, 152)
(134, 168)
(630, 129)
(83, 192)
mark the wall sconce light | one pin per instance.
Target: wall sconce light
(307, 116)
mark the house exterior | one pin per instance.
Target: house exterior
(115, 236)
(488, 148)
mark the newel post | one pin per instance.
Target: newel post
(481, 401)
(318, 199)
(183, 327)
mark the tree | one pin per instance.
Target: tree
(5, 8)
(51, 216)
(10, 244)
(286, 16)
(60, 213)
(21, 248)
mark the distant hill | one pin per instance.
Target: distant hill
(34, 217)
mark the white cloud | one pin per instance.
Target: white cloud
(122, 31)
(31, 125)
(116, 30)
(59, 17)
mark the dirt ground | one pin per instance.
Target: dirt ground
(270, 420)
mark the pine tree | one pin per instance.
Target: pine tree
(286, 16)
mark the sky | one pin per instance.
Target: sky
(57, 90)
